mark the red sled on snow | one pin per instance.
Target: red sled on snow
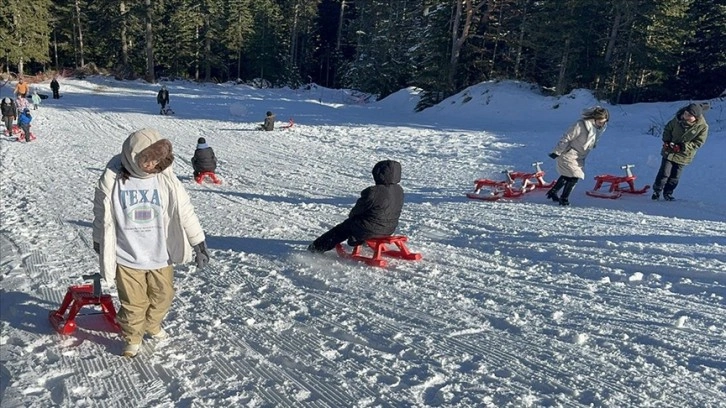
(18, 133)
(290, 124)
(207, 174)
(509, 188)
(613, 182)
(380, 249)
(79, 296)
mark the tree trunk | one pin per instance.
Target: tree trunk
(124, 40)
(80, 32)
(207, 52)
(150, 77)
(340, 25)
(563, 68)
(464, 9)
(520, 45)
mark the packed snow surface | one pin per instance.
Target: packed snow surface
(516, 303)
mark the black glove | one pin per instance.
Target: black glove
(201, 255)
(554, 155)
(97, 248)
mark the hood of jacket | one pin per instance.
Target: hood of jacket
(387, 172)
(142, 146)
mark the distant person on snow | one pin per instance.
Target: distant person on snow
(573, 148)
(204, 158)
(144, 222)
(55, 87)
(162, 98)
(36, 99)
(9, 112)
(375, 214)
(269, 122)
(682, 137)
(21, 89)
(24, 122)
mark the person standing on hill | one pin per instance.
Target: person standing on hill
(55, 87)
(682, 137)
(572, 150)
(143, 223)
(21, 89)
(9, 113)
(162, 98)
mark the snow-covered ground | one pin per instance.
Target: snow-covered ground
(519, 303)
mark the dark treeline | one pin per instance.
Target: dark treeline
(624, 50)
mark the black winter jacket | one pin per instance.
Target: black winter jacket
(378, 209)
(9, 109)
(204, 160)
(162, 96)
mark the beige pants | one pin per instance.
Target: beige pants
(145, 296)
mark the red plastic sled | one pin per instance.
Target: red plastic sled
(79, 296)
(508, 188)
(378, 245)
(615, 190)
(210, 174)
(290, 124)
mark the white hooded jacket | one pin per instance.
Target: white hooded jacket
(181, 223)
(575, 145)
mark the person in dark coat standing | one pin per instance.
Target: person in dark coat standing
(9, 112)
(162, 98)
(682, 137)
(204, 158)
(55, 87)
(375, 214)
(269, 123)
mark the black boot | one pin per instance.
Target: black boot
(668, 197)
(569, 185)
(655, 196)
(552, 193)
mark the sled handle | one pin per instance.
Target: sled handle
(536, 165)
(627, 168)
(96, 277)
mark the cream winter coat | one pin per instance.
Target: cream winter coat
(574, 147)
(181, 223)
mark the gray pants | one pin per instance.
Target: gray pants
(26, 131)
(8, 124)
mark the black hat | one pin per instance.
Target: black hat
(201, 140)
(269, 113)
(695, 109)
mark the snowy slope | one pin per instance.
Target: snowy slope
(608, 303)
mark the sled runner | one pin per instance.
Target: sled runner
(613, 183)
(79, 296)
(379, 247)
(207, 174)
(494, 190)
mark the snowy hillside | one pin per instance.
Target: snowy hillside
(516, 303)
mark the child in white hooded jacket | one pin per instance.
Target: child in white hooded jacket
(144, 223)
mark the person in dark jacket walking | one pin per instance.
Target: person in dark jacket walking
(269, 122)
(375, 214)
(55, 87)
(162, 98)
(204, 158)
(9, 112)
(682, 137)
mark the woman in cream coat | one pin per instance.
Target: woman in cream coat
(573, 148)
(144, 223)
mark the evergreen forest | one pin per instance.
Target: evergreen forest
(626, 51)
